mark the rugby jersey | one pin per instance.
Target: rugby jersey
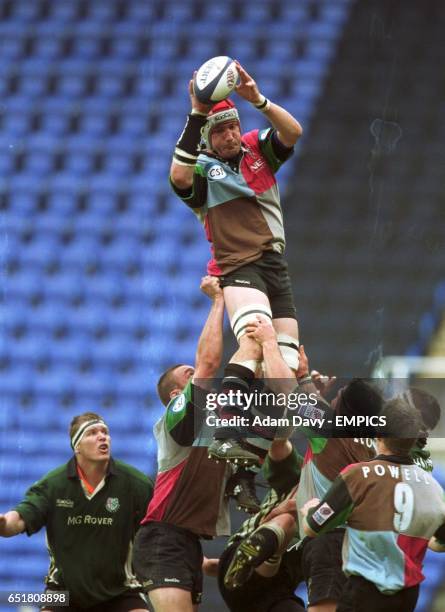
(239, 203)
(325, 457)
(89, 536)
(189, 487)
(392, 508)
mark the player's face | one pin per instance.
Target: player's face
(226, 139)
(95, 444)
(183, 374)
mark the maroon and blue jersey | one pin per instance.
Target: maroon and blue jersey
(391, 508)
(238, 201)
(189, 487)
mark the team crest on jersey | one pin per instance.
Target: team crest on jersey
(112, 504)
(179, 404)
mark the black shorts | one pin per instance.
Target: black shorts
(167, 556)
(322, 566)
(260, 594)
(130, 600)
(268, 274)
(360, 595)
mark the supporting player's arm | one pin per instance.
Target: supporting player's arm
(331, 512)
(437, 542)
(210, 344)
(436, 545)
(186, 150)
(11, 524)
(280, 377)
(288, 128)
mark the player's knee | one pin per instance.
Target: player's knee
(289, 349)
(251, 348)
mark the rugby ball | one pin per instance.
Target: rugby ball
(215, 79)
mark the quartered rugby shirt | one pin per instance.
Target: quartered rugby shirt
(392, 508)
(189, 488)
(239, 205)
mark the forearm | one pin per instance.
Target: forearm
(436, 546)
(187, 151)
(280, 377)
(288, 128)
(181, 176)
(210, 344)
(11, 524)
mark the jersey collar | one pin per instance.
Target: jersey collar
(72, 468)
(405, 460)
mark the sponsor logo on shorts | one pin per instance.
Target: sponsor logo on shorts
(322, 514)
(112, 504)
(241, 282)
(171, 580)
(216, 173)
(64, 503)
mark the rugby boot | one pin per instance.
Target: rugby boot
(241, 487)
(251, 553)
(230, 450)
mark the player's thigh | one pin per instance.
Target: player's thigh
(170, 599)
(286, 325)
(239, 297)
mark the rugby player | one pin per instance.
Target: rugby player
(392, 508)
(325, 457)
(91, 508)
(260, 568)
(232, 189)
(188, 502)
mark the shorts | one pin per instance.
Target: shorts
(168, 556)
(260, 594)
(130, 600)
(322, 566)
(361, 595)
(268, 274)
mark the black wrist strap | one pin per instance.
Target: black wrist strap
(187, 148)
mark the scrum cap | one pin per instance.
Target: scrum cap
(220, 113)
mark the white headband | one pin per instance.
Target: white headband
(82, 430)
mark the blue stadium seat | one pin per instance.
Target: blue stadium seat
(140, 11)
(63, 11)
(25, 11)
(87, 46)
(11, 46)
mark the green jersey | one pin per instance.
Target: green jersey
(89, 536)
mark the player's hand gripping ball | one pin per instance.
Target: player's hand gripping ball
(215, 80)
